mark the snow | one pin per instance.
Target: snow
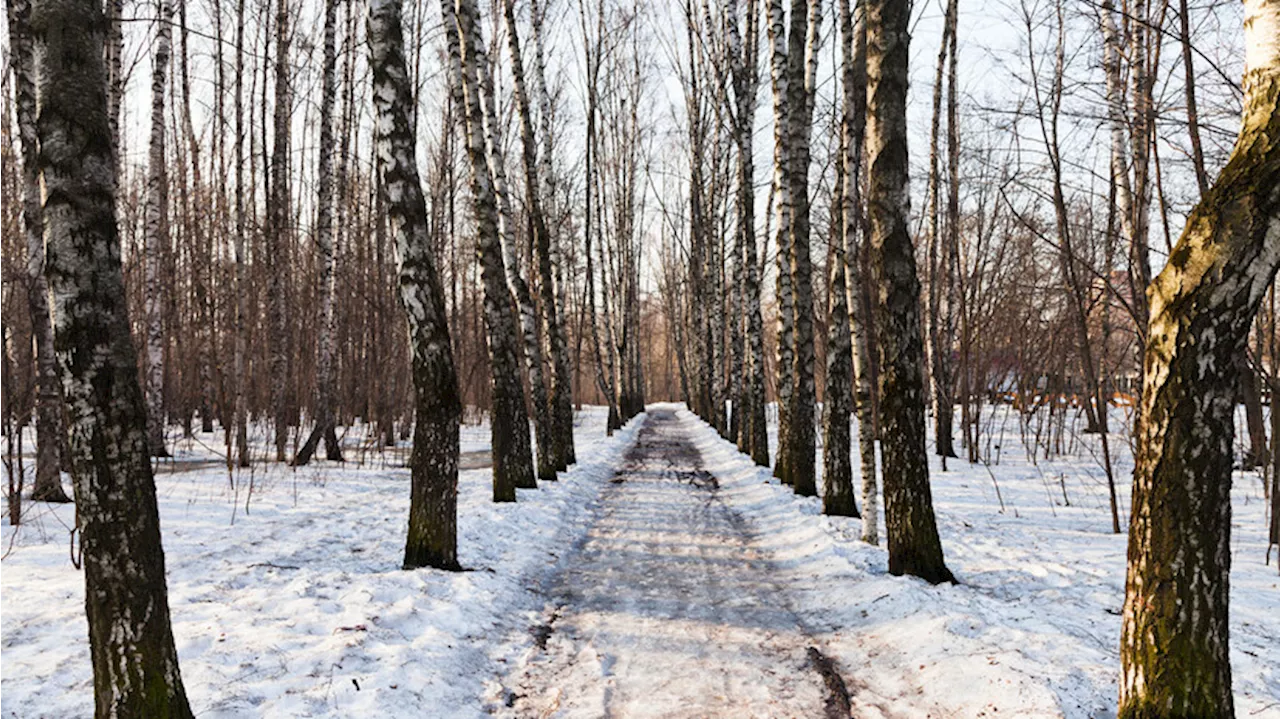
(297, 606)
(1033, 628)
(667, 609)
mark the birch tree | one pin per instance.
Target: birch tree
(1174, 636)
(854, 82)
(940, 276)
(135, 664)
(838, 496)
(512, 459)
(49, 433)
(602, 354)
(750, 402)
(240, 420)
(325, 249)
(914, 546)
(525, 312)
(433, 508)
(157, 234)
(781, 76)
(794, 64)
(551, 284)
(551, 449)
(279, 227)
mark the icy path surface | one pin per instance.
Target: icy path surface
(667, 608)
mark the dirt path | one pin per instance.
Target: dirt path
(667, 610)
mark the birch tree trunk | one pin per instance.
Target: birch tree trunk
(49, 432)
(591, 231)
(325, 249)
(1117, 118)
(780, 75)
(802, 55)
(433, 509)
(240, 419)
(940, 279)
(529, 317)
(157, 235)
(551, 441)
(699, 234)
(135, 664)
(837, 473)
(914, 547)
(114, 56)
(512, 459)
(551, 289)
(860, 325)
(837, 496)
(278, 220)
(1142, 81)
(750, 402)
(1174, 638)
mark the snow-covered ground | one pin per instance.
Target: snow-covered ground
(297, 606)
(1033, 628)
(668, 609)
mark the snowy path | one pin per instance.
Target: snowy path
(667, 608)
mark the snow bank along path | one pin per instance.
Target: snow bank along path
(299, 608)
(667, 607)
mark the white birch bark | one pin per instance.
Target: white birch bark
(1174, 653)
(512, 459)
(433, 507)
(914, 547)
(49, 432)
(157, 235)
(324, 232)
(131, 647)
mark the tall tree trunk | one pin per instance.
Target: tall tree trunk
(780, 75)
(940, 278)
(802, 55)
(1173, 645)
(433, 507)
(1117, 118)
(551, 287)
(135, 664)
(529, 318)
(591, 231)
(324, 248)
(1142, 81)
(49, 432)
(157, 236)
(699, 234)
(512, 460)
(113, 53)
(279, 226)
(856, 245)
(240, 419)
(914, 546)
(551, 441)
(953, 281)
(838, 493)
(753, 426)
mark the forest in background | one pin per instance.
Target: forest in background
(395, 217)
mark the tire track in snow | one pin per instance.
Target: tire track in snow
(667, 609)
